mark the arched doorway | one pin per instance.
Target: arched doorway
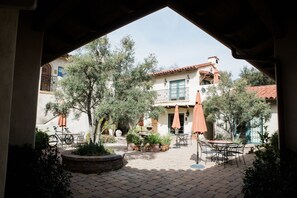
(46, 74)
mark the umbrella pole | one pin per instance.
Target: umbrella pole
(176, 138)
(197, 160)
(62, 136)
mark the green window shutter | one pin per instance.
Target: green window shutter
(177, 90)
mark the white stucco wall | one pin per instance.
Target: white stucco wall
(273, 122)
(47, 122)
(60, 62)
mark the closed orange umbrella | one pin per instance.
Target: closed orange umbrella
(199, 124)
(62, 121)
(176, 123)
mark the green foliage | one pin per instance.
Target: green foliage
(156, 111)
(153, 138)
(57, 108)
(41, 139)
(36, 173)
(132, 87)
(254, 77)
(165, 139)
(105, 84)
(219, 136)
(88, 137)
(270, 175)
(133, 138)
(232, 106)
(107, 139)
(265, 136)
(92, 149)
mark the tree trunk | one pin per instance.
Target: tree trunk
(95, 132)
(90, 125)
(100, 128)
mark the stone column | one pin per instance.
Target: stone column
(26, 81)
(8, 32)
(286, 77)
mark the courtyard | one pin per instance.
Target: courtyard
(163, 174)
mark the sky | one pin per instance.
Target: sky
(175, 41)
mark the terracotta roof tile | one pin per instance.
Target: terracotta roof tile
(265, 91)
(187, 68)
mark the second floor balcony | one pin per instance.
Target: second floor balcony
(167, 95)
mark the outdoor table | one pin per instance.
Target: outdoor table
(221, 147)
(182, 139)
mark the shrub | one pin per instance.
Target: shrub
(219, 136)
(133, 138)
(36, 173)
(107, 139)
(88, 137)
(41, 140)
(267, 178)
(165, 139)
(92, 149)
(153, 138)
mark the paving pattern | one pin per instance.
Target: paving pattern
(163, 174)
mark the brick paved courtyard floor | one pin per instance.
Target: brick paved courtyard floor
(163, 174)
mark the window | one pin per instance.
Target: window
(45, 84)
(177, 90)
(60, 71)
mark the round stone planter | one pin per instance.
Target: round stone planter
(91, 164)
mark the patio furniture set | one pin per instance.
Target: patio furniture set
(222, 151)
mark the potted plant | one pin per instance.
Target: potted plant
(154, 140)
(135, 140)
(165, 142)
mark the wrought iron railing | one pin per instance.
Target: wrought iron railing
(163, 95)
(48, 83)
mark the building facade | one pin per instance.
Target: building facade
(51, 73)
(173, 87)
(179, 87)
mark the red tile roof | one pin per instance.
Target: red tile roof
(187, 68)
(265, 91)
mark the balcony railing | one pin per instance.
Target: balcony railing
(163, 95)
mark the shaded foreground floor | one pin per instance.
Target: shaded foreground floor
(163, 174)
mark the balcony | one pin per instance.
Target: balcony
(163, 95)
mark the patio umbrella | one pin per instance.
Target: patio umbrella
(199, 124)
(62, 120)
(176, 123)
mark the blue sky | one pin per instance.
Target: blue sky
(175, 42)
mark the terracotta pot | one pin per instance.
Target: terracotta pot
(165, 147)
(136, 148)
(155, 147)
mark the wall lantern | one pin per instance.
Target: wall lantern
(188, 78)
(187, 113)
(165, 81)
